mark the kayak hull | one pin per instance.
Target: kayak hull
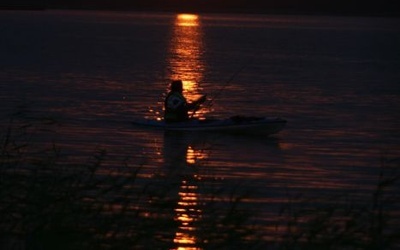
(233, 125)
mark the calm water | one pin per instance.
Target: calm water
(335, 79)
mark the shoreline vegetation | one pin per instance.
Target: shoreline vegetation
(49, 202)
(285, 7)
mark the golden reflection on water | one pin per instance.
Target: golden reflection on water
(187, 210)
(187, 213)
(182, 157)
(193, 155)
(185, 60)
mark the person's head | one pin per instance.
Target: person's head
(177, 85)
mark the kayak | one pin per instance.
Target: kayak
(235, 125)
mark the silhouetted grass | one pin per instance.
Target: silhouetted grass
(47, 202)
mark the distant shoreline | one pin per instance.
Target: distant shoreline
(173, 9)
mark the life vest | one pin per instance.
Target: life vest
(175, 107)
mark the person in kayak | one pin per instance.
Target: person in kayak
(176, 107)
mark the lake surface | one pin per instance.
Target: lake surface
(79, 78)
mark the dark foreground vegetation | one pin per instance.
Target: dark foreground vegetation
(47, 202)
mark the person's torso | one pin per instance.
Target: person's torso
(175, 107)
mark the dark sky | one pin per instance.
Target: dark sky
(345, 7)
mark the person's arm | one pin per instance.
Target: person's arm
(195, 104)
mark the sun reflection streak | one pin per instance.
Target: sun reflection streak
(192, 155)
(185, 60)
(187, 214)
(187, 210)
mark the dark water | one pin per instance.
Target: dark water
(83, 76)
